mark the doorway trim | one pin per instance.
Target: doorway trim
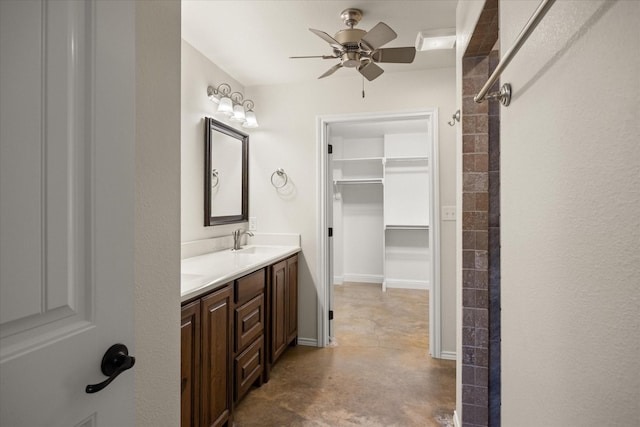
(325, 202)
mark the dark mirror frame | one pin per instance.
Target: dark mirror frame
(211, 126)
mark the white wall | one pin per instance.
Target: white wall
(570, 158)
(157, 214)
(198, 72)
(287, 139)
(361, 229)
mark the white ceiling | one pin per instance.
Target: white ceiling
(251, 40)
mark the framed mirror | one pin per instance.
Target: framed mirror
(226, 174)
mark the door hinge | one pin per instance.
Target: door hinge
(330, 231)
(330, 314)
(330, 148)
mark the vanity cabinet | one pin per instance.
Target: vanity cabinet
(249, 332)
(206, 352)
(225, 338)
(283, 307)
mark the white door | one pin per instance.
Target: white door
(66, 210)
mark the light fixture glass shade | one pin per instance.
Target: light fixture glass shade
(225, 106)
(213, 94)
(238, 113)
(214, 98)
(250, 120)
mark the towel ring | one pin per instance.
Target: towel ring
(282, 174)
(215, 180)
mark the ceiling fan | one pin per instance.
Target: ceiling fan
(360, 49)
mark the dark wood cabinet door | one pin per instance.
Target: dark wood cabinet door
(278, 310)
(249, 366)
(292, 299)
(216, 362)
(249, 322)
(190, 365)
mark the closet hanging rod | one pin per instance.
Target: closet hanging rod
(504, 95)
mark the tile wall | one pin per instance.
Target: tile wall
(480, 231)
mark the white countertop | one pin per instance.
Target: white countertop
(203, 273)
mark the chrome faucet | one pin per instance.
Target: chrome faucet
(237, 235)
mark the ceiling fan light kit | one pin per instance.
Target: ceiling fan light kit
(362, 50)
(232, 105)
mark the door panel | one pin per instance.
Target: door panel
(66, 209)
(292, 298)
(279, 310)
(217, 321)
(190, 366)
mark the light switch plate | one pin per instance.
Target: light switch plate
(253, 223)
(448, 213)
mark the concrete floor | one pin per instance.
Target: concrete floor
(378, 373)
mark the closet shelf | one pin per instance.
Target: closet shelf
(405, 227)
(407, 159)
(359, 159)
(357, 181)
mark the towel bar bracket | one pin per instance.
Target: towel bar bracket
(503, 95)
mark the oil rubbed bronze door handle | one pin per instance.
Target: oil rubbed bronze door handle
(114, 362)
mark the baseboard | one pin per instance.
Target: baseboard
(309, 342)
(456, 420)
(338, 280)
(363, 278)
(407, 284)
(448, 355)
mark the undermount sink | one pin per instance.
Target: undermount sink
(258, 250)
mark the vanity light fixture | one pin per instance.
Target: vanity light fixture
(233, 105)
(238, 109)
(249, 116)
(215, 94)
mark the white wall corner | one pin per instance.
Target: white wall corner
(309, 342)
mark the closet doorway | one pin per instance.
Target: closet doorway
(378, 218)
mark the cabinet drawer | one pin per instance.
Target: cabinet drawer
(249, 286)
(249, 367)
(249, 322)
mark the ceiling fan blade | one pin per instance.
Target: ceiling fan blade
(378, 36)
(326, 37)
(403, 55)
(314, 56)
(370, 70)
(331, 71)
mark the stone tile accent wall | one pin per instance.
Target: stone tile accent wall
(475, 245)
(480, 230)
(494, 254)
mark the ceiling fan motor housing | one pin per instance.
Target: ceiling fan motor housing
(350, 40)
(351, 17)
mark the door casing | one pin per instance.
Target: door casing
(325, 206)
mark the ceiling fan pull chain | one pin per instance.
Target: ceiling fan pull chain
(363, 86)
